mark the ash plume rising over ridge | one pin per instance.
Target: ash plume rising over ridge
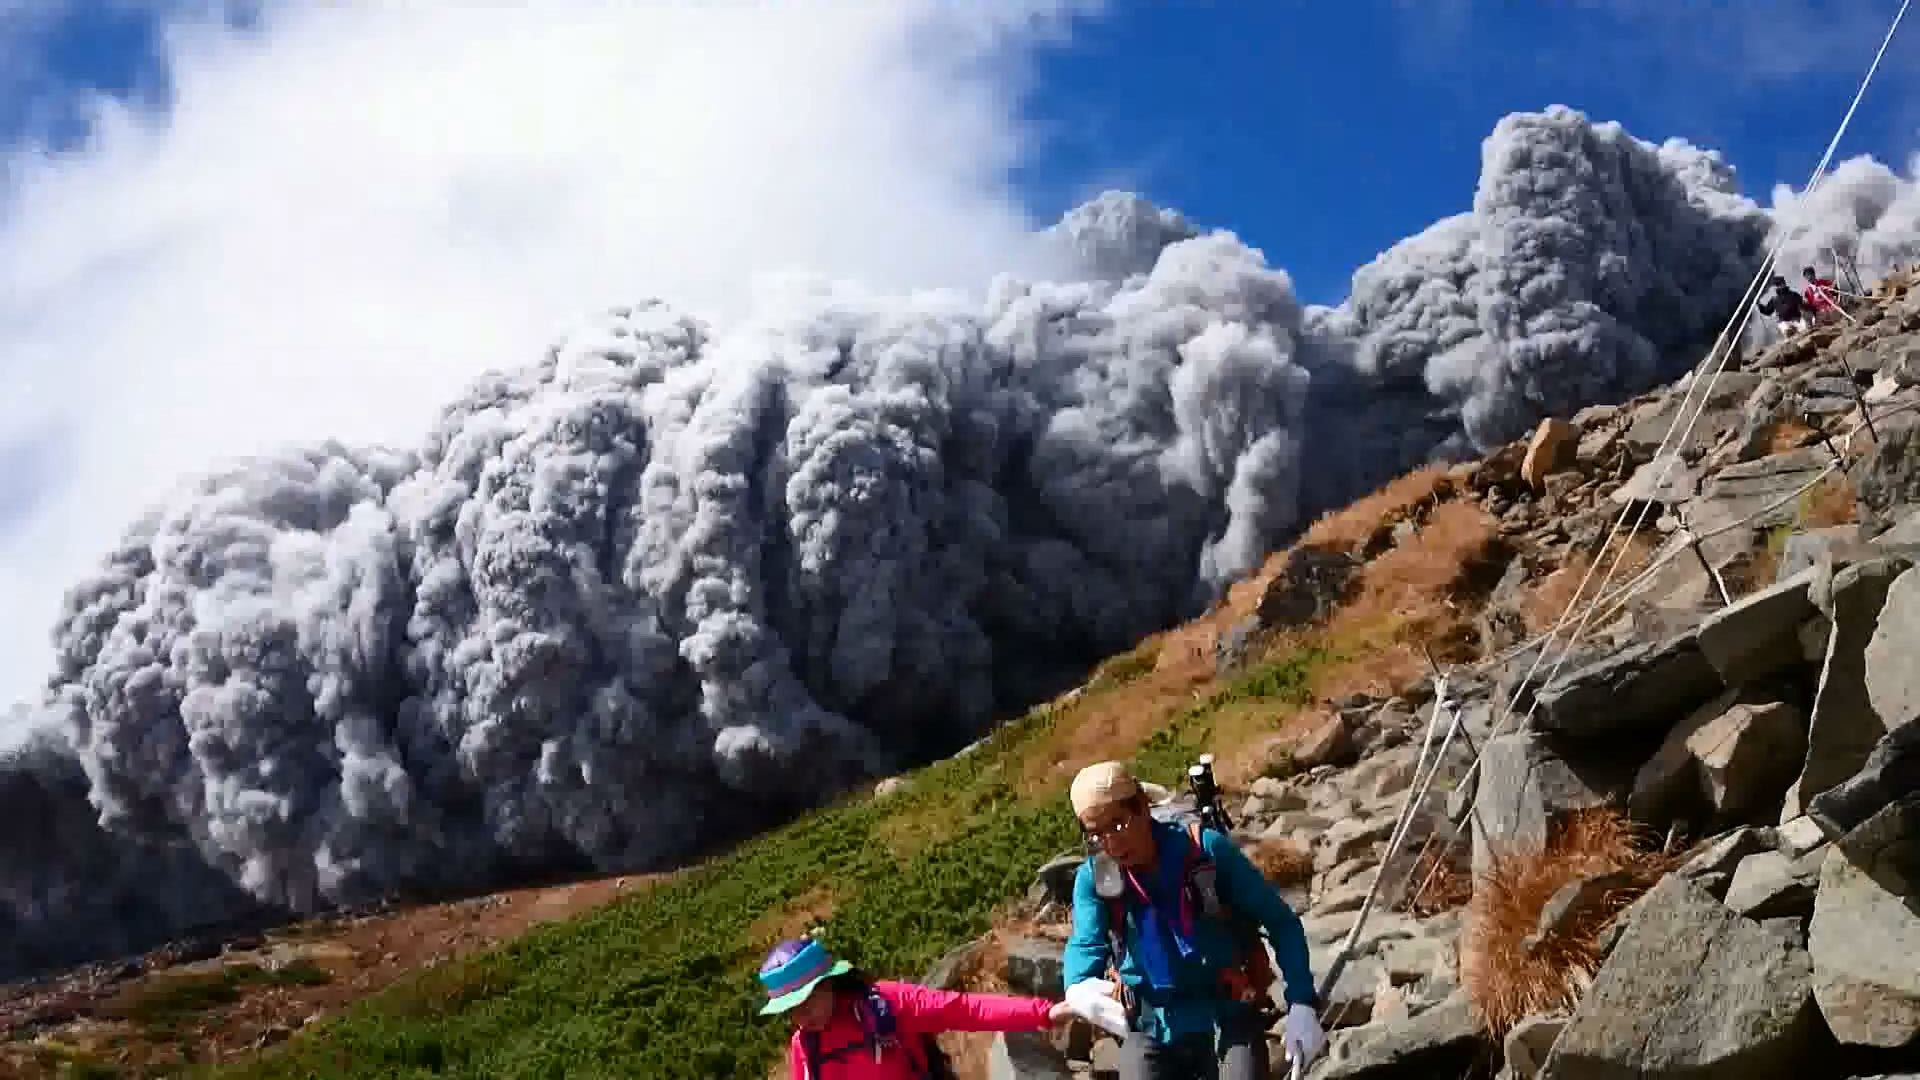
(673, 582)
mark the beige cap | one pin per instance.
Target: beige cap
(1110, 782)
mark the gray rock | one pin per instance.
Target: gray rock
(1347, 838)
(1278, 794)
(1529, 1043)
(1425, 958)
(1844, 726)
(1443, 1040)
(1026, 1055)
(1735, 761)
(1887, 478)
(945, 973)
(1891, 771)
(1575, 901)
(1628, 691)
(1692, 989)
(1798, 836)
(1311, 584)
(1665, 479)
(1723, 853)
(1524, 785)
(1893, 679)
(1034, 968)
(1230, 650)
(1759, 635)
(1750, 490)
(1865, 933)
(1833, 546)
(1771, 884)
(1054, 881)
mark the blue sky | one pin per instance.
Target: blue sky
(326, 226)
(1322, 132)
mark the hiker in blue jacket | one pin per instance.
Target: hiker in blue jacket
(1196, 993)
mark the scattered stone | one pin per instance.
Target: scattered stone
(1443, 1040)
(1026, 1055)
(1327, 741)
(1551, 449)
(1278, 794)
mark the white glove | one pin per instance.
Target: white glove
(1093, 1001)
(1303, 1039)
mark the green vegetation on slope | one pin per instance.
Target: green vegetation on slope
(662, 985)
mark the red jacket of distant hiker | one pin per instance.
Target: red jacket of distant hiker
(918, 1010)
(1819, 294)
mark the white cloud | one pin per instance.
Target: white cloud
(356, 208)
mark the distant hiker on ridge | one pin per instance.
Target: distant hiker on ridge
(849, 1027)
(1789, 311)
(1150, 915)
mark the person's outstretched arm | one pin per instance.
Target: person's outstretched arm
(933, 1011)
(1249, 891)
(1085, 955)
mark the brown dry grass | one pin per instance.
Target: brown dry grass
(1505, 980)
(1423, 592)
(1283, 864)
(1350, 528)
(1544, 602)
(1830, 502)
(1789, 435)
(1442, 882)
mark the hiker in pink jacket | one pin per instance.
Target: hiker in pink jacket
(847, 1027)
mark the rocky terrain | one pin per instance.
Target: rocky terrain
(1610, 868)
(1629, 882)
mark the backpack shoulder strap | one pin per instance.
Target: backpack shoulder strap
(810, 1054)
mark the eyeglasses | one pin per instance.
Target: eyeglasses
(1124, 825)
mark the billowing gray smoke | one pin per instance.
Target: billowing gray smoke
(672, 582)
(1589, 265)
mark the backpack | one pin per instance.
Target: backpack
(1249, 979)
(880, 1031)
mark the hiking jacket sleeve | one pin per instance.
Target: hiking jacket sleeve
(1085, 955)
(1249, 891)
(925, 1009)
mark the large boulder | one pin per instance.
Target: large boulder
(1525, 786)
(1845, 726)
(1759, 636)
(1893, 679)
(1629, 691)
(1865, 933)
(1730, 758)
(1691, 989)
